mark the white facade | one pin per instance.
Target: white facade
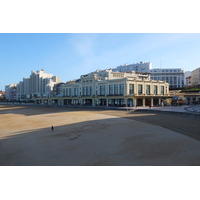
(173, 76)
(39, 84)
(142, 67)
(108, 88)
(10, 91)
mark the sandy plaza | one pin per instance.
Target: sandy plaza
(95, 137)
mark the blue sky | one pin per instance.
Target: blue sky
(73, 54)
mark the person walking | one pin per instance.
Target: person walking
(52, 128)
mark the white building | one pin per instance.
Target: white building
(10, 91)
(108, 88)
(173, 76)
(142, 67)
(39, 84)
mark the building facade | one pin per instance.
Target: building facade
(195, 77)
(37, 85)
(142, 67)
(173, 76)
(108, 88)
(11, 92)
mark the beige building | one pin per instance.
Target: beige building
(195, 77)
(108, 88)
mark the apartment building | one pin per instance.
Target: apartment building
(195, 77)
(173, 76)
(142, 67)
(108, 88)
(11, 91)
(37, 85)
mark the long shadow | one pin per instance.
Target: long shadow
(182, 123)
(105, 142)
(38, 110)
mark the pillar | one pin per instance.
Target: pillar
(126, 101)
(159, 101)
(143, 102)
(151, 101)
(134, 102)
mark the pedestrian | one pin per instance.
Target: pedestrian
(52, 128)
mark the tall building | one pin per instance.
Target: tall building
(37, 85)
(195, 77)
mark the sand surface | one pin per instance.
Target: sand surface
(91, 137)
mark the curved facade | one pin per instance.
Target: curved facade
(108, 88)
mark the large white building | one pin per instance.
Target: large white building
(39, 84)
(174, 76)
(142, 67)
(108, 88)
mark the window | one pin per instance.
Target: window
(155, 89)
(162, 90)
(90, 90)
(67, 92)
(110, 89)
(115, 89)
(139, 89)
(75, 91)
(87, 92)
(148, 89)
(121, 88)
(83, 90)
(131, 89)
(70, 92)
(102, 90)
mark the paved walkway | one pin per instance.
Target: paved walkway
(180, 109)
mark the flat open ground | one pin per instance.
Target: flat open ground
(88, 137)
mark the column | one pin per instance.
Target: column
(159, 101)
(151, 101)
(134, 102)
(143, 102)
(93, 102)
(126, 101)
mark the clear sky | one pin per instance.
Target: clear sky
(73, 54)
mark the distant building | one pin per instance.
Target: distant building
(195, 77)
(142, 67)
(173, 76)
(37, 85)
(188, 81)
(2, 95)
(11, 91)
